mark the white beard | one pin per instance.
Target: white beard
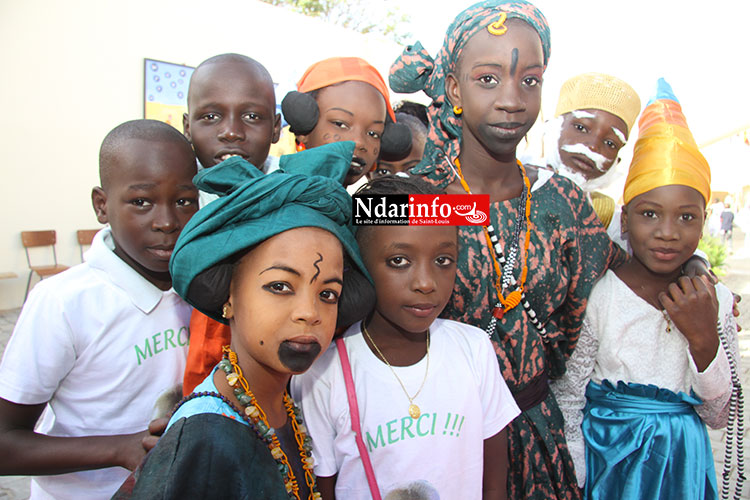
(552, 131)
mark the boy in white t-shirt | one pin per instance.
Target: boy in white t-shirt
(432, 405)
(95, 346)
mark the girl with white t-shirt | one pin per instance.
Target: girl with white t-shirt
(429, 405)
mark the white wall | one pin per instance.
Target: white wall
(71, 71)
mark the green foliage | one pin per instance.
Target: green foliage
(383, 18)
(716, 252)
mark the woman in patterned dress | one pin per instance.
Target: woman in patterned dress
(486, 89)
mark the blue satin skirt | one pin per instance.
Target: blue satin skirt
(645, 443)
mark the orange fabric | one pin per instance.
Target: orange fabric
(666, 153)
(207, 336)
(344, 69)
(662, 111)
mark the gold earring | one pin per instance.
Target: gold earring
(457, 111)
(226, 311)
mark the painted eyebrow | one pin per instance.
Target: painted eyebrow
(281, 267)
(342, 110)
(334, 280)
(619, 135)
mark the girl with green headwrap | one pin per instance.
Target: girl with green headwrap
(526, 277)
(273, 258)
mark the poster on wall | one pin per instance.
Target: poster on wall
(165, 91)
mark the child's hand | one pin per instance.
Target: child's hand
(693, 308)
(131, 449)
(696, 266)
(155, 429)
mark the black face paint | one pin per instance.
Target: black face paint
(513, 62)
(315, 264)
(298, 357)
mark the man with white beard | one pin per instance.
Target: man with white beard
(594, 116)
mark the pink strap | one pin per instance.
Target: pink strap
(351, 395)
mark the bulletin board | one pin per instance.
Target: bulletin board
(165, 87)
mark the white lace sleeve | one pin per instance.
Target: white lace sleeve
(570, 392)
(715, 411)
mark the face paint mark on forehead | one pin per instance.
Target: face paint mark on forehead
(513, 62)
(582, 114)
(619, 134)
(315, 264)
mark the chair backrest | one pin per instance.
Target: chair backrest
(85, 237)
(38, 238)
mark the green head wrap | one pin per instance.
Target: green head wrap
(306, 191)
(416, 70)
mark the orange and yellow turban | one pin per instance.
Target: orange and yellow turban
(343, 69)
(666, 153)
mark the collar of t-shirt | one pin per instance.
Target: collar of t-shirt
(144, 295)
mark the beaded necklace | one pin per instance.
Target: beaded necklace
(735, 426)
(256, 417)
(504, 267)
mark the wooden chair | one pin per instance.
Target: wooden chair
(40, 239)
(85, 237)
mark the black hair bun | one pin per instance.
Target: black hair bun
(357, 297)
(395, 143)
(209, 290)
(300, 111)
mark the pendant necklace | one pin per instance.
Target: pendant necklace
(668, 320)
(414, 411)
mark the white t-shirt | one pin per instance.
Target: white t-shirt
(100, 344)
(463, 402)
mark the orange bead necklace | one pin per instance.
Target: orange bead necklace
(507, 300)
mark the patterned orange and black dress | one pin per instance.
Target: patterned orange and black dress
(568, 251)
